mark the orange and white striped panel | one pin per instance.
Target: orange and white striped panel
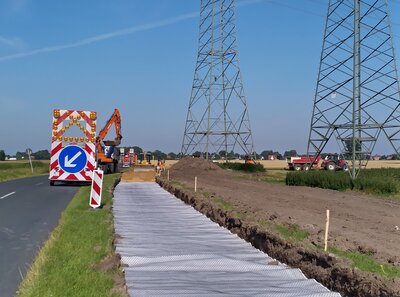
(62, 121)
(97, 184)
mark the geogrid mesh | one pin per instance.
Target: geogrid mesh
(170, 249)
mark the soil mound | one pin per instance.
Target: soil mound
(139, 176)
(194, 163)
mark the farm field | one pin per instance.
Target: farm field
(19, 169)
(364, 231)
(282, 164)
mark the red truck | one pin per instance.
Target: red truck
(329, 162)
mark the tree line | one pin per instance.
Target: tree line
(39, 155)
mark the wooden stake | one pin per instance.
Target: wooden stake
(195, 184)
(326, 230)
(168, 175)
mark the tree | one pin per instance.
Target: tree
(172, 156)
(2, 155)
(291, 153)
(348, 149)
(42, 155)
(159, 155)
(266, 153)
(21, 156)
(138, 150)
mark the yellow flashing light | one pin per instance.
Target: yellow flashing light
(81, 139)
(55, 133)
(65, 138)
(79, 118)
(56, 113)
(71, 138)
(93, 115)
(86, 139)
(60, 138)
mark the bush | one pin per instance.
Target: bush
(243, 167)
(373, 181)
(339, 181)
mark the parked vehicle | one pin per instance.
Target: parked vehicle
(330, 162)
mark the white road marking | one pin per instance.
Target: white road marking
(39, 184)
(9, 194)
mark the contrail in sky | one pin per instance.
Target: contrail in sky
(106, 36)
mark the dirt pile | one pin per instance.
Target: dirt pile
(196, 164)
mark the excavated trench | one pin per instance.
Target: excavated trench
(336, 274)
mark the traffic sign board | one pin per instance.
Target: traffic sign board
(72, 159)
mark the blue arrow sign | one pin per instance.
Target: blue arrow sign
(72, 159)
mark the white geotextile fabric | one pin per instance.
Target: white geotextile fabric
(170, 249)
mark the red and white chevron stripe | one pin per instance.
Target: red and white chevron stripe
(97, 184)
(62, 121)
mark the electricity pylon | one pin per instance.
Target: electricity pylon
(357, 96)
(217, 118)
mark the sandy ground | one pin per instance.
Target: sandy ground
(359, 222)
(137, 174)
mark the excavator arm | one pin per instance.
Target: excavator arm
(102, 159)
(116, 120)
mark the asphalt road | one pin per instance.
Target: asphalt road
(29, 211)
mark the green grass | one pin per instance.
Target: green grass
(270, 176)
(381, 182)
(287, 231)
(18, 169)
(292, 232)
(366, 263)
(83, 238)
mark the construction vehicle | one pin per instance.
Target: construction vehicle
(248, 159)
(144, 158)
(330, 162)
(107, 155)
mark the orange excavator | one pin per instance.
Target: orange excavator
(107, 154)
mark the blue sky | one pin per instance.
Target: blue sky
(139, 56)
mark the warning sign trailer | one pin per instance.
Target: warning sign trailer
(72, 157)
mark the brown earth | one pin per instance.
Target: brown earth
(139, 175)
(359, 222)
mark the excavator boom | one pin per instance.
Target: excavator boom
(107, 162)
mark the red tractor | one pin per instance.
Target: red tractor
(329, 162)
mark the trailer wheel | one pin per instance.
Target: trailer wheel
(330, 166)
(345, 168)
(306, 167)
(52, 182)
(297, 167)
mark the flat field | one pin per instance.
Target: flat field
(18, 169)
(364, 229)
(282, 164)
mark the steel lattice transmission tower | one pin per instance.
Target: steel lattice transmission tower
(357, 96)
(217, 118)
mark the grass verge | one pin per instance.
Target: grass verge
(270, 176)
(18, 169)
(367, 263)
(83, 238)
